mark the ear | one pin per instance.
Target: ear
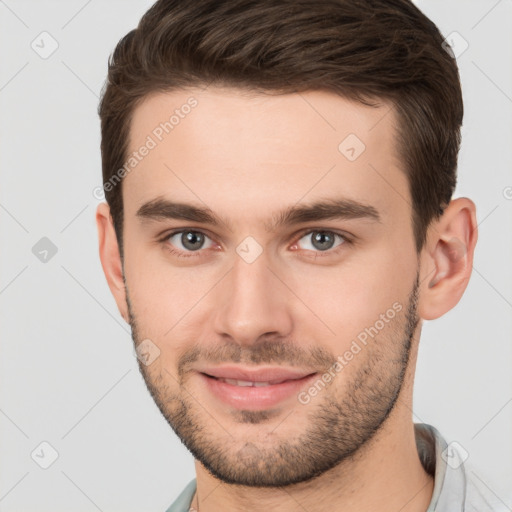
(447, 259)
(110, 258)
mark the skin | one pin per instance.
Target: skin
(247, 157)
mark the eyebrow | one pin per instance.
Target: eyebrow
(162, 209)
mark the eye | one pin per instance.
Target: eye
(186, 241)
(320, 240)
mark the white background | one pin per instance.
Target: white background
(68, 375)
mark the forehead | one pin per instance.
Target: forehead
(231, 148)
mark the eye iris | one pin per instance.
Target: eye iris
(320, 237)
(189, 238)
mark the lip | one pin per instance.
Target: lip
(266, 374)
(254, 397)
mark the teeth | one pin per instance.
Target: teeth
(234, 382)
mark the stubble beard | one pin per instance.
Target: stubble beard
(334, 430)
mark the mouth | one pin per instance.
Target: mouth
(249, 383)
(262, 390)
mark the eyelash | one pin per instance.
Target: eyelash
(321, 254)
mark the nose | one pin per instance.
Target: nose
(252, 302)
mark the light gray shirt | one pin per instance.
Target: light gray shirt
(454, 489)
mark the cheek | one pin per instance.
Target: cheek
(166, 299)
(163, 302)
(351, 297)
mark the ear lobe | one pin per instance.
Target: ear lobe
(449, 251)
(110, 258)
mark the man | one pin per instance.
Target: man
(279, 180)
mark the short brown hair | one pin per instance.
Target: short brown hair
(364, 50)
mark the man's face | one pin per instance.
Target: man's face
(250, 293)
